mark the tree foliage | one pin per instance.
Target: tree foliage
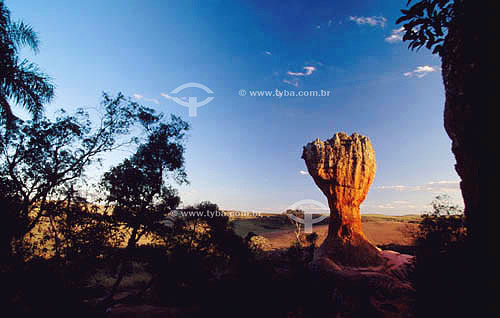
(426, 22)
(441, 260)
(197, 247)
(442, 228)
(44, 159)
(20, 80)
(80, 231)
(296, 214)
(136, 190)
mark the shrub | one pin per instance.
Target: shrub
(441, 277)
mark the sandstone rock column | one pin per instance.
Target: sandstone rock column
(343, 167)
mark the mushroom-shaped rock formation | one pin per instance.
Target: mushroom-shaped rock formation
(343, 167)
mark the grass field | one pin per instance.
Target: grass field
(261, 225)
(373, 217)
(380, 229)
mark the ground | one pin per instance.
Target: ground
(380, 229)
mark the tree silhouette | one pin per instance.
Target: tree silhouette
(20, 80)
(427, 23)
(42, 159)
(136, 190)
(456, 30)
(298, 214)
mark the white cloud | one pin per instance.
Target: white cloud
(396, 36)
(425, 68)
(421, 71)
(268, 53)
(372, 21)
(330, 22)
(433, 186)
(184, 98)
(395, 187)
(153, 100)
(391, 207)
(401, 202)
(385, 206)
(294, 83)
(309, 71)
(141, 97)
(166, 96)
(304, 173)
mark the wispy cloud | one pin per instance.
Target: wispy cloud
(294, 83)
(309, 71)
(304, 173)
(141, 97)
(444, 186)
(421, 71)
(268, 53)
(166, 96)
(371, 21)
(396, 35)
(326, 24)
(393, 206)
(395, 187)
(184, 98)
(385, 206)
(401, 202)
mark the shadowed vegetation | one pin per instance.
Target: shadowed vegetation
(70, 248)
(21, 81)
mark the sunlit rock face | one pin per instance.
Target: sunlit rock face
(343, 167)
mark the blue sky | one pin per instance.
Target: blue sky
(243, 152)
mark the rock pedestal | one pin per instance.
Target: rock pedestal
(343, 167)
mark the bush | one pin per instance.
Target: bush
(443, 228)
(41, 287)
(441, 276)
(259, 243)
